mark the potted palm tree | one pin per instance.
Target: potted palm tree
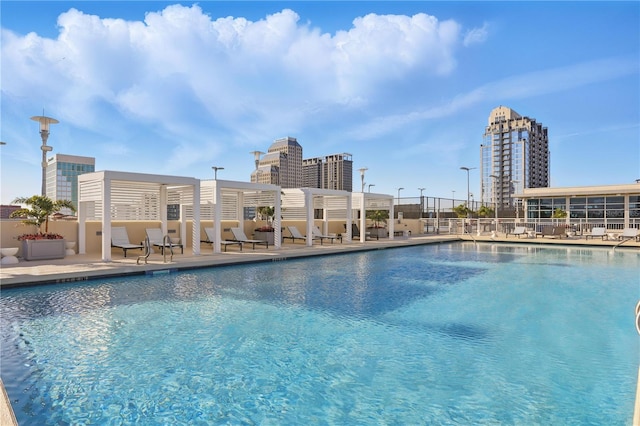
(379, 218)
(41, 245)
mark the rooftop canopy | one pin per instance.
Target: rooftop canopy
(226, 200)
(110, 195)
(300, 203)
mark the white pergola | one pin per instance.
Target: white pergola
(226, 200)
(300, 203)
(363, 201)
(110, 195)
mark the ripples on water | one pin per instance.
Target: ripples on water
(446, 334)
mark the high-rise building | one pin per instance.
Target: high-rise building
(514, 155)
(286, 156)
(62, 176)
(329, 172)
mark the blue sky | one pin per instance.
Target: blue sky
(405, 87)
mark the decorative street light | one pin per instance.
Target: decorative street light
(362, 170)
(468, 193)
(513, 183)
(215, 171)
(370, 185)
(453, 199)
(256, 155)
(44, 134)
(421, 201)
(399, 189)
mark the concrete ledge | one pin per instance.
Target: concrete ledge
(7, 417)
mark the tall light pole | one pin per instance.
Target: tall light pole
(495, 197)
(256, 156)
(44, 134)
(215, 171)
(468, 169)
(453, 199)
(370, 185)
(421, 201)
(513, 182)
(399, 189)
(362, 170)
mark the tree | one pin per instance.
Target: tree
(378, 216)
(41, 208)
(485, 211)
(559, 214)
(462, 210)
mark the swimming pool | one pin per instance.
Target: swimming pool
(443, 334)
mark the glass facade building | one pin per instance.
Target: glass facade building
(62, 176)
(514, 155)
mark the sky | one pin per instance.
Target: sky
(405, 87)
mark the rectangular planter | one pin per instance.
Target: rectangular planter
(43, 249)
(264, 236)
(378, 232)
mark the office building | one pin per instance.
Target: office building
(514, 155)
(329, 172)
(62, 176)
(285, 155)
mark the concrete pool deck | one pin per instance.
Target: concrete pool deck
(85, 267)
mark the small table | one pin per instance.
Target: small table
(612, 236)
(531, 234)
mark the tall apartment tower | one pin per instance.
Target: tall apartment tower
(329, 172)
(281, 165)
(62, 176)
(514, 155)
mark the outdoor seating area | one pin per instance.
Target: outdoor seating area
(240, 236)
(120, 239)
(161, 241)
(210, 239)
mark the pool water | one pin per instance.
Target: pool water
(437, 334)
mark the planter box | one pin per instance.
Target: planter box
(378, 232)
(43, 249)
(264, 236)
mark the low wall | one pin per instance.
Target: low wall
(10, 229)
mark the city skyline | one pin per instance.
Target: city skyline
(405, 87)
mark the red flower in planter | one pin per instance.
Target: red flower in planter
(40, 236)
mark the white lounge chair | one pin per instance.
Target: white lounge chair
(156, 239)
(318, 234)
(630, 233)
(211, 238)
(120, 239)
(597, 232)
(239, 235)
(295, 234)
(518, 230)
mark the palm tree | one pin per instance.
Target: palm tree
(41, 208)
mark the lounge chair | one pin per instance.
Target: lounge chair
(157, 240)
(518, 230)
(239, 235)
(554, 231)
(209, 232)
(295, 234)
(120, 239)
(630, 234)
(597, 232)
(318, 234)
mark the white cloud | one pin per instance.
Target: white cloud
(476, 35)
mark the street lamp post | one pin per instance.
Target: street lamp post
(495, 198)
(453, 199)
(256, 156)
(44, 134)
(370, 185)
(215, 172)
(421, 201)
(467, 169)
(362, 170)
(399, 189)
(514, 182)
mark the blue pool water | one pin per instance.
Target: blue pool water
(439, 334)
